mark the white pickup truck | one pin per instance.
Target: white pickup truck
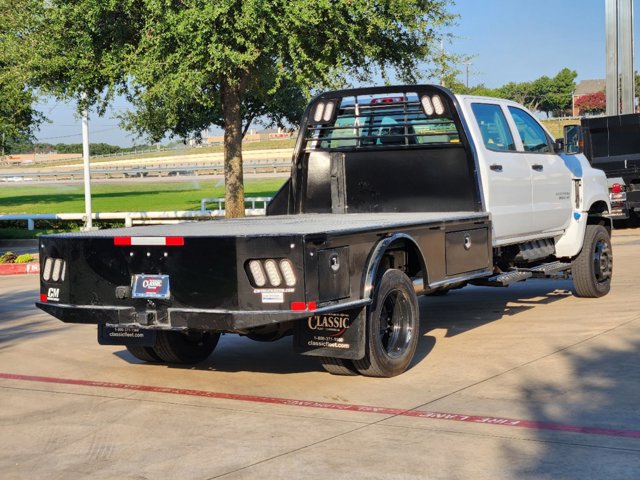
(394, 192)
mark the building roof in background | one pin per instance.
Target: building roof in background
(590, 86)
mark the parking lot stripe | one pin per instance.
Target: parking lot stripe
(455, 417)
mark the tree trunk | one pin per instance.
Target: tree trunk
(233, 177)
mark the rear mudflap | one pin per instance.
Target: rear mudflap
(336, 335)
(126, 335)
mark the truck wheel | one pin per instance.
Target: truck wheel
(633, 221)
(185, 348)
(392, 327)
(592, 268)
(146, 354)
(338, 366)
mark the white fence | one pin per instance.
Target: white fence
(256, 206)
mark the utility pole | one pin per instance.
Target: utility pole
(88, 225)
(620, 83)
(467, 81)
(442, 82)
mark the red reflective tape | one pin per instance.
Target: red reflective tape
(148, 241)
(454, 417)
(122, 241)
(174, 241)
(298, 306)
(302, 306)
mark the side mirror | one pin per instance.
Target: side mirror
(559, 145)
(573, 140)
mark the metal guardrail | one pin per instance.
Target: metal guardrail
(143, 171)
(146, 218)
(250, 200)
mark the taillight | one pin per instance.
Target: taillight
(616, 188)
(272, 270)
(54, 270)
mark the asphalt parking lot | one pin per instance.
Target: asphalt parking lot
(527, 382)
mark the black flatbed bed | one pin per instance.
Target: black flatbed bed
(279, 225)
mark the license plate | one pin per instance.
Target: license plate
(151, 286)
(113, 335)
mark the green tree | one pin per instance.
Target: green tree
(189, 64)
(18, 118)
(556, 99)
(78, 50)
(224, 62)
(545, 94)
(518, 92)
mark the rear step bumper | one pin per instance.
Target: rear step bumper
(183, 319)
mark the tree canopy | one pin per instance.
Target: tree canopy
(189, 64)
(592, 103)
(18, 118)
(545, 94)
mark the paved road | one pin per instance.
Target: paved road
(527, 382)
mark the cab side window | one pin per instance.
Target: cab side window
(493, 126)
(531, 133)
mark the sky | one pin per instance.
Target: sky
(510, 40)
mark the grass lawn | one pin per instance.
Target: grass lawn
(125, 197)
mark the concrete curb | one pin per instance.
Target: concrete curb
(19, 246)
(19, 268)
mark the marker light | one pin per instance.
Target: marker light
(616, 188)
(387, 100)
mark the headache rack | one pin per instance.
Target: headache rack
(372, 121)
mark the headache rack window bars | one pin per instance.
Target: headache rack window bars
(387, 121)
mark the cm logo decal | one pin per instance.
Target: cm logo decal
(53, 294)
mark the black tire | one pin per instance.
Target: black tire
(146, 354)
(185, 347)
(393, 325)
(633, 221)
(338, 366)
(593, 267)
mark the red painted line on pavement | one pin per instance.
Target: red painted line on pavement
(455, 417)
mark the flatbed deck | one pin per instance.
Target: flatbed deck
(307, 224)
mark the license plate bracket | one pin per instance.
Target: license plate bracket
(151, 286)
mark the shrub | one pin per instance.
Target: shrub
(8, 257)
(24, 258)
